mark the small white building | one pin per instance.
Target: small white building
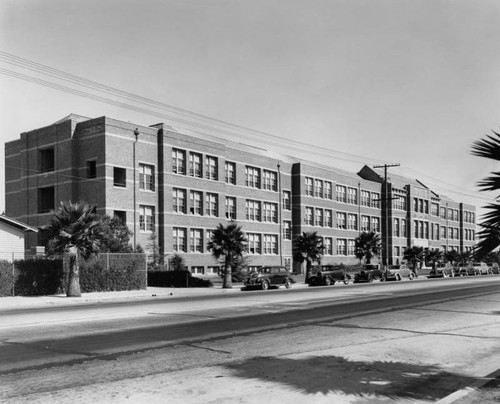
(12, 238)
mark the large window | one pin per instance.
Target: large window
(179, 239)
(328, 246)
(211, 168)
(328, 218)
(365, 223)
(340, 191)
(179, 200)
(270, 211)
(352, 221)
(252, 210)
(146, 177)
(396, 227)
(352, 196)
(230, 172)
(119, 177)
(375, 200)
(318, 217)
(47, 161)
(318, 188)
(309, 186)
(403, 228)
(287, 230)
(365, 198)
(178, 161)
(375, 224)
(287, 200)
(328, 190)
(211, 204)
(341, 220)
(230, 208)
(269, 180)
(252, 177)
(341, 246)
(270, 244)
(46, 199)
(254, 243)
(146, 218)
(351, 247)
(195, 169)
(308, 217)
(196, 240)
(195, 198)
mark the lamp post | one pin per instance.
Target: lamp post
(280, 214)
(136, 133)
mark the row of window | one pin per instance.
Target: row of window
(320, 217)
(146, 176)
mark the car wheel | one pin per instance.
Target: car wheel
(346, 279)
(370, 279)
(411, 276)
(328, 281)
(264, 285)
(288, 284)
(398, 277)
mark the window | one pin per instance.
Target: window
(286, 200)
(328, 246)
(91, 168)
(365, 223)
(270, 245)
(47, 162)
(230, 172)
(179, 239)
(252, 177)
(376, 224)
(309, 186)
(196, 203)
(443, 232)
(352, 196)
(351, 247)
(399, 202)
(269, 180)
(196, 243)
(211, 205)
(208, 238)
(328, 190)
(270, 213)
(211, 168)
(119, 177)
(328, 218)
(252, 210)
(397, 251)
(352, 221)
(178, 161)
(318, 188)
(146, 177)
(341, 246)
(179, 200)
(436, 231)
(365, 198)
(287, 230)
(146, 218)
(415, 228)
(121, 215)
(318, 217)
(375, 200)
(253, 243)
(230, 208)
(434, 209)
(46, 199)
(443, 213)
(197, 270)
(403, 228)
(341, 193)
(426, 207)
(195, 165)
(395, 230)
(415, 204)
(308, 218)
(455, 215)
(341, 220)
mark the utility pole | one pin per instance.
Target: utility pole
(385, 207)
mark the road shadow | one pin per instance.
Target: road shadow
(331, 374)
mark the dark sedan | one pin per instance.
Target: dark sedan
(328, 275)
(267, 277)
(369, 273)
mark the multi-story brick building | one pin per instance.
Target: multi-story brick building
(180, 186)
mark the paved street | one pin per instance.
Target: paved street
(396, 342)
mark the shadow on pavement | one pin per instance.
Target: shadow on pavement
(332, 374)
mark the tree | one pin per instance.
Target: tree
(414, 255)
(177, 263)
(489, 235)
(433, 256)
(115, 235)
(308, 247)
(153, 253)
(367, 246)
(74, 229)
(230, 242)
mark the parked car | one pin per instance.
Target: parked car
(398, 273)
(369, 273)
(267, 277)
(482, 268)
(328, 275)
(442, 271)
(495, 269)
(469, 270)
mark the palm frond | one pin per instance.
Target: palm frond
(490, 183)
(488, 148)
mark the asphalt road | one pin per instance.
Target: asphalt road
(37, 345)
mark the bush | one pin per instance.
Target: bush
(39, 276)
(176, 279)
(6, 278)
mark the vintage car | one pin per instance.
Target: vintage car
(267, 277)
(442, 271)
(495, 268)
(470, 270)
(482, 268)
(327, 275)
(369, 273)
(398, 273)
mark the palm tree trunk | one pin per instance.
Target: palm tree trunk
(308, 270)
(74, 277)
(226, 282)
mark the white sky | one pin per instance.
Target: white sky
(412, 82)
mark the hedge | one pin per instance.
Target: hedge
(39, 276)
(176, 279)
(6, 278)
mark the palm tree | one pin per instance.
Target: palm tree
(433, 256)
(74, 229)
(308, 247)
(489, 235)
(414, 255)
(230, 242)
(367, 246)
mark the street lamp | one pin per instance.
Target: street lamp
(136, 133)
